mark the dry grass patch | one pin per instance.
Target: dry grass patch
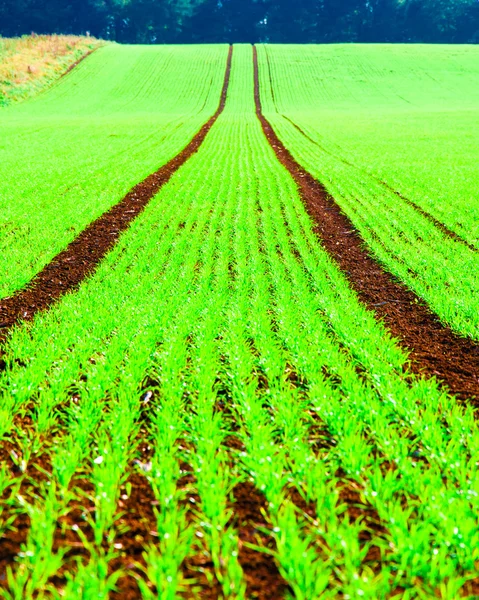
(30, 63)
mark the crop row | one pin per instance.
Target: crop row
(218, 346)
(387, 130)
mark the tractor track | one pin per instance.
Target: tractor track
(64, 274)
(77, 62)
(431, 218)
(434, 349)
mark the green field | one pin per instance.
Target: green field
(70, 154)
(404, 116)
(213, 413)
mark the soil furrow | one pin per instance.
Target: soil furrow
(77, 62)
(263, 579)
(70, 267)
(434, 349)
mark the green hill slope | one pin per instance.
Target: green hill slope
(72, 152)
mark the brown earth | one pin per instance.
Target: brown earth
(77, 62)
(69, 268)
(263, 579)
(434, 349)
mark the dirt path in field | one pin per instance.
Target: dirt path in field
(435, 350)
(71, 266)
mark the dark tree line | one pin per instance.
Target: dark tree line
(287, 21)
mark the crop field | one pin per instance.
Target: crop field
(391, 131)
(216, 410)
(77, 153)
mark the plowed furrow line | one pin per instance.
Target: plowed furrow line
(71, 266)
(262, 576)
(77, 62)
(435, 350)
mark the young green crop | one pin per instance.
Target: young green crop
(70, 154)
(221, 325)
(387, 129)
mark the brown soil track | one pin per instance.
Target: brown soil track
(263, 580)
(435, 350)
(77, 62)
(70, 267)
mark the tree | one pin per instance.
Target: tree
(438, 21)
(286, 21)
